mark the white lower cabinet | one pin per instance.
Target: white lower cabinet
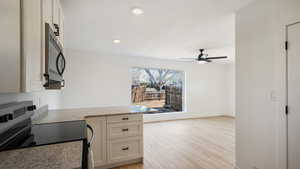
(124, 130)
(118, 139)
(99, 145)
(120, 150)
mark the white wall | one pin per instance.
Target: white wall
(95, 80)
(260, 82)
(50, 98)
(229, 77)
(230, 86)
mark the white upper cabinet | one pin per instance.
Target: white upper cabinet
(22, 43)
(55, 12)
(58, 18)
(61, 24)
(32, 39)
(10, 46)
(47, 11)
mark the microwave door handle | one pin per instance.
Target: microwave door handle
(60, 72)
(64, 62)
(57, 62)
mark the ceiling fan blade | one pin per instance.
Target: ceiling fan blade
(207, 60)
(220, 57)
(189, 61)
(187, 58)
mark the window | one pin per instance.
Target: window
(159, 89)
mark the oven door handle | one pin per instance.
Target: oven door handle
(92, 138)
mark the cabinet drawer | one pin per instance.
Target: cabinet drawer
(125, 149)
(125, 118)
(123, 130)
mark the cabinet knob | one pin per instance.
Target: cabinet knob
(125, 118)
(125, 129)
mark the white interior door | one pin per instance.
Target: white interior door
(294, 96)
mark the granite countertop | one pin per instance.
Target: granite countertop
(81, 113)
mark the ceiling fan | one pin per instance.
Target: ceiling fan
(203, 57)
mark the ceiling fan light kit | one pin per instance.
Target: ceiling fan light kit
(201, 63)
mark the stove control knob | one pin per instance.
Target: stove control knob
(5, 118)
(31, 108)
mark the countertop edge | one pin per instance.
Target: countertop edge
(115, 114)
(65, 115)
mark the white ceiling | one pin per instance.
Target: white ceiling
(168, 29)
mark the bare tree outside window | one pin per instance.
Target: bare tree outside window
(157, 88)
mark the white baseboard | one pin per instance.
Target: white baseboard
(176, 116)
(226, 115)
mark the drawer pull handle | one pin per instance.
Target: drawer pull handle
(125, 129)
(126, 148)
(125, 118)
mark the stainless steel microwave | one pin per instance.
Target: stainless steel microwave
(54, 59)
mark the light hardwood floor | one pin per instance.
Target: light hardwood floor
(189, 144)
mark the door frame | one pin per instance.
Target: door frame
(287, 88)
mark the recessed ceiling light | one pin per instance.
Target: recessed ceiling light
(137, 11)
(116, 41)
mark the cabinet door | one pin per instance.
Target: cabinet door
(55, 11)
(10, 56)
(99, 144)
(47, 18)
(293, 96)
(47, 12)
(120, 150)
(61, 25)
(58, 18)
(32, 52)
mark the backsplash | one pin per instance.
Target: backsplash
(39, 114)
(40, 99)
